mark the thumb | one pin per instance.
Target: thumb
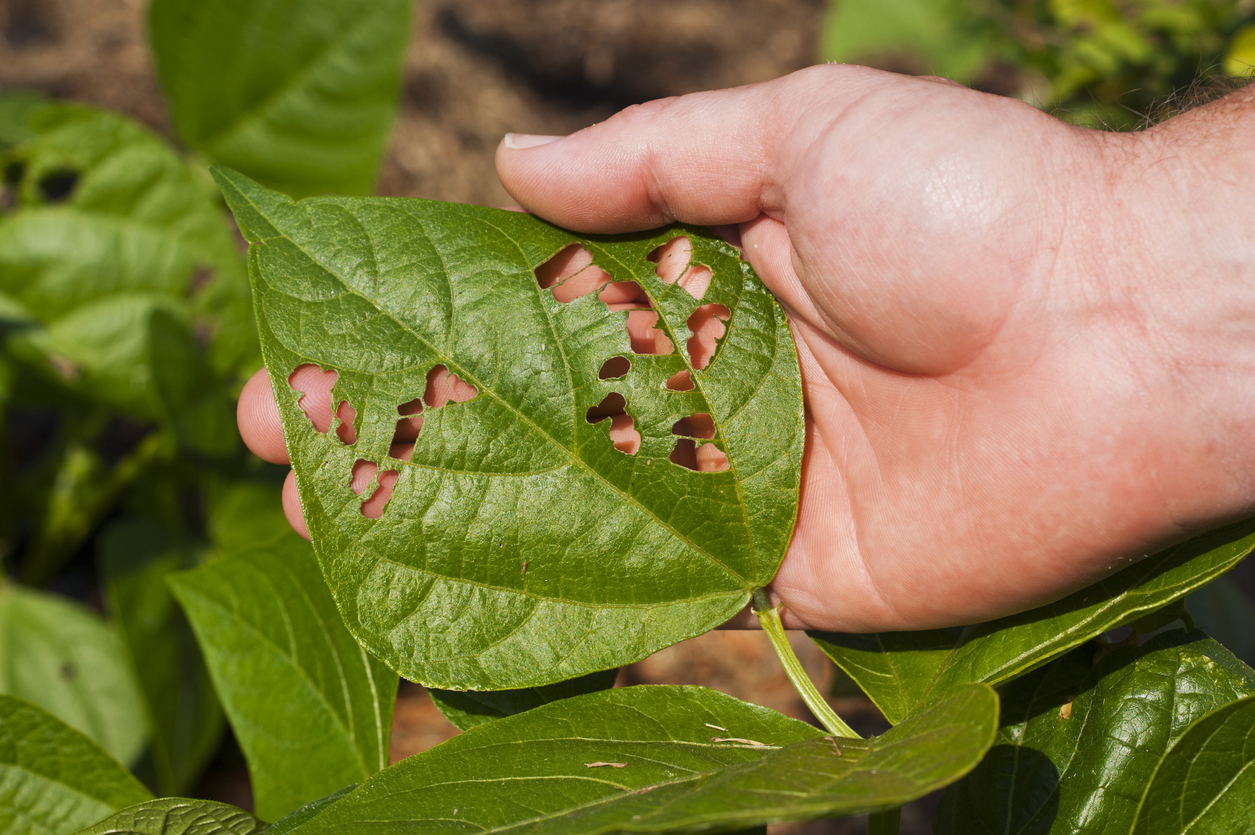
(713, 158)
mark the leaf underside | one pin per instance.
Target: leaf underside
(176, 816)
(467, 708)
(520, 546)
(661, 759)
(902, 670)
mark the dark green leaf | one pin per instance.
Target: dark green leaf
(54, 779)
(466, 709)
(1079, 742)
(299, 817)
(663, 759)
(114, 232)
(300, 94)
(520, 546)
(185, 720)
(176, 816)
(62, 657)
(902, 670)
(1206, 783)
(311, 710)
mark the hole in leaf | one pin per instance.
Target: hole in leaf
(315, 387)
(623, 432)
(571, 274)
(625, 295)
(57, 186)
(699, 425)
(614, 368)
(443, 387)
(707, 325)
(346, 431)
(706, 458)
(645, 338)
(673, 259)
(408, 427)
(363, 474)
(681, 381)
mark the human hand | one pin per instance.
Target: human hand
(1026, 347)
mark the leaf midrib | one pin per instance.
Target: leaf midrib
(257, 112)
(264, 638)
(458, 368)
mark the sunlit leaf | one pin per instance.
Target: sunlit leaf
(661, 759)
(299, 94)
(522, 544)
(1206, 783)
(54, 780)
(311, 710)
(902, 670)
(1079, 741)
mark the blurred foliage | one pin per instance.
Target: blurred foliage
(1101, 63)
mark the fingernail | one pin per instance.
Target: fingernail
(519, 141)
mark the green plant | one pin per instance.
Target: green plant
(511, 497)
(1094, 62)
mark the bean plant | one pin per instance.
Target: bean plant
(511, 496)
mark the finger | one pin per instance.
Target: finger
(292, 506)
(711, 158)
(258, 419)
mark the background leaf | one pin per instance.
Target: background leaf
(185, 719)
(901, 670)
(176, 816)
(299, 94)
(466, 709)
(1206, 783)
(485, 572)
(311, 710)
(54, 779)
(61, 656)
(1079, 741)
(551, 769)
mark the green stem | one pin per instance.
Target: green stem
(769, 617)
(884, 823)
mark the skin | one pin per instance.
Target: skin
(1028, 349)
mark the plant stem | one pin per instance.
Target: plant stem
(769, 617)
(884, 823)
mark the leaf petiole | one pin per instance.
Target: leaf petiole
(769, 617)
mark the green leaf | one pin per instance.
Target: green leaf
(59, 655)
(1079, 742)
(902, 670)
(1206, 783)
(300, 94)
(466, 709)
(246, 515)
(176, 816)
(55, 780)
(185, 719)
(520, 546)
(110, 216)
(946, 38)
(662, 759)
(16, 109)
(269, 628)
